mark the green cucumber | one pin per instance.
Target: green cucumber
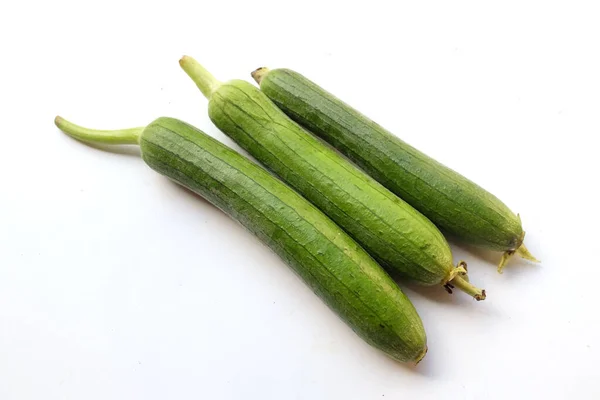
(393, 232)
(455, 204)
(326, 258)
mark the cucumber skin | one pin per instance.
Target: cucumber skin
(455, 204)
(335, 267)
(400, 238)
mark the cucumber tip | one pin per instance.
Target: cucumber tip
(421, 356)
(183, 60)
(259, 73)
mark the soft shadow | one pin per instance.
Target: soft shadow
(191, 193)
(428, 367)
(424, 368)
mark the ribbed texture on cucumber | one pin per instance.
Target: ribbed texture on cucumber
(393, 232)
(454, 203)
(326, 258)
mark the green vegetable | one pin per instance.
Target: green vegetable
(393, 232)
(454, 203)
(327, 259)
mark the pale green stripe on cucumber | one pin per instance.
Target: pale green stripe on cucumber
(455, 204)
(324, 256)
(393, 232)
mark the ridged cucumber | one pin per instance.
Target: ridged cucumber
(393, 232)
(454, 203)
(326, 258)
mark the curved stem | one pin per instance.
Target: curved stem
(524, 253)
(123, 136)
(205, 81)
(259, 73)
(504, 260)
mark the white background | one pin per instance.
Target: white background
(117, 284)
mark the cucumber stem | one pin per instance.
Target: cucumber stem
(122, 136)
(259, 73)
(457, 278)
(460, 283)
(521, 251)
(205, 81)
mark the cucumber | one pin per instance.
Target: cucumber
(335, 267)
(455, 204)
(400, 238)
